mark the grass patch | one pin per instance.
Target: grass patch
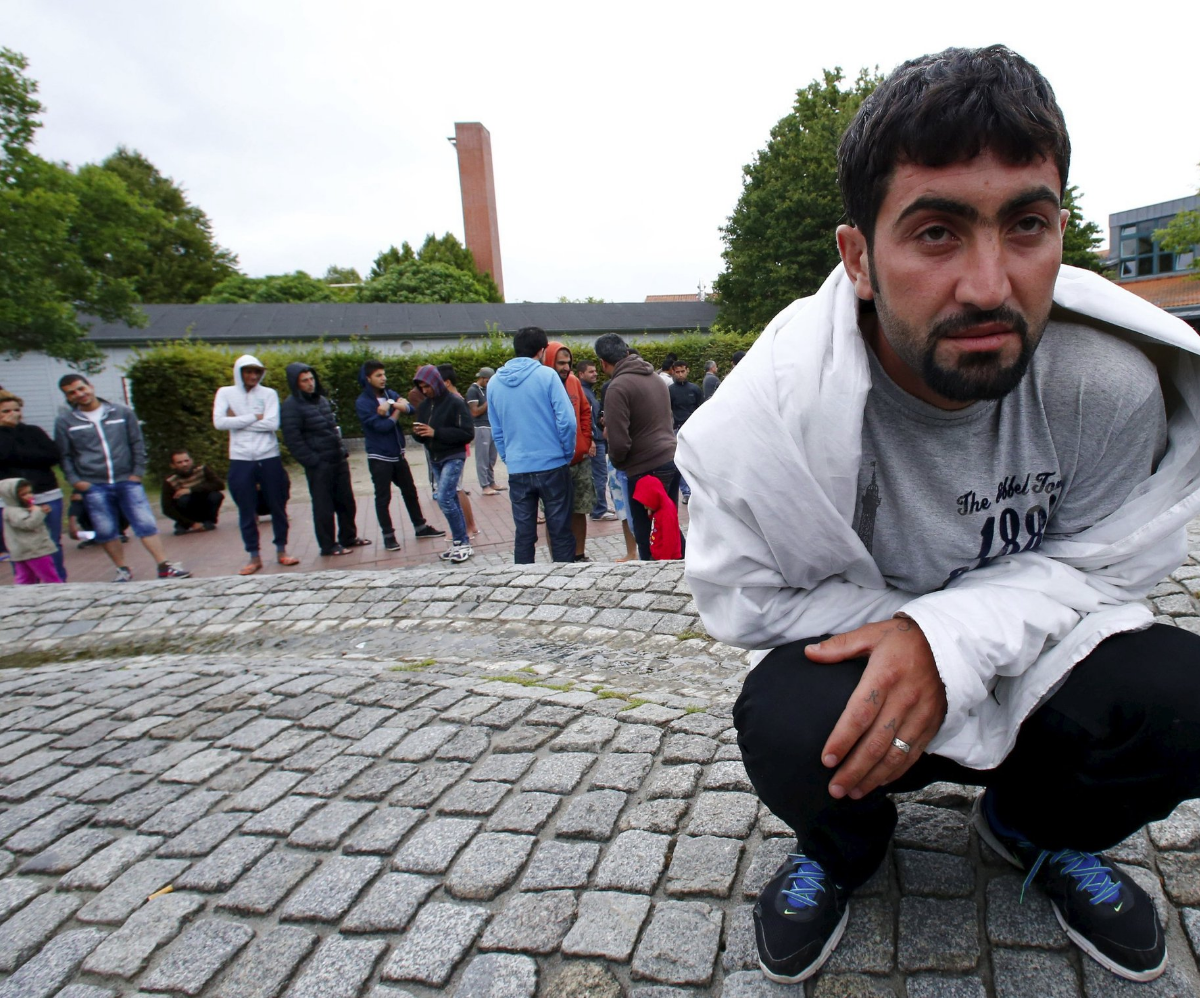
(633, 702)
(693, 709)
(534, 680)
(688, 635)
(425, 663)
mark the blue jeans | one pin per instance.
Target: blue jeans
(250, 480)
(103, 501)
(600, 477)
(553, 488)
(447, 475)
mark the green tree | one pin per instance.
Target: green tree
(341, 275)
(418, 281)
(390, 257)
(447, 251)
(63, 237)
(1182, 235)
(295, 287)
(1081, 237)
(589, 300)
(179, 260)
(779, 242)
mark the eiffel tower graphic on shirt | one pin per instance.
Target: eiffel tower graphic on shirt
(868, 504)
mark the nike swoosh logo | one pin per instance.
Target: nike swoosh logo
(1117, 907)
(788, 911)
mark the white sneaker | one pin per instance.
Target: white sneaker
(461, 553)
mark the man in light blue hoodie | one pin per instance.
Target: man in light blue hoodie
(533, 427)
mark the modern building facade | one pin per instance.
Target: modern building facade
(1167, 279)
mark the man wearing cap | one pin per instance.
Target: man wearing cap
(485, 448)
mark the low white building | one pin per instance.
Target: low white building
(388, 328)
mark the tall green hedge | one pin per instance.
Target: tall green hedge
(173, 384)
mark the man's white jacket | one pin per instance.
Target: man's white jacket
(773, 460)
(250, 438)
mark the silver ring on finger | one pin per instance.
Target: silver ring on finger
(902, 745)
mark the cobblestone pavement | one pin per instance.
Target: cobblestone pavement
(523, 782)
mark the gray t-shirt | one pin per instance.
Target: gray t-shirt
(477, 394)
(941, 492)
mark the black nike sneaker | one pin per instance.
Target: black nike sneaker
(1103, 911)
(798, 920)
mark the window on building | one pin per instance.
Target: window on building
(1140, 254)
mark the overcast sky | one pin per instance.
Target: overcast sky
(315, 133)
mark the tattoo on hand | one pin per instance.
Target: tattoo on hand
(872, 697)
(890, 726)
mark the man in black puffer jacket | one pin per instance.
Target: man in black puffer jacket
(311, 434)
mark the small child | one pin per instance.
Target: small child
(31, 546)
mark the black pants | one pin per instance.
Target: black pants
(253, 482)
(1117, 746)
(198, 507)
(669, 475)
(332, 495)
(385, 474)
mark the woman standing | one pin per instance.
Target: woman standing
(28, 452)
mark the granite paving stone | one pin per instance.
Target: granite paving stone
(24, 814)
(701, 723)
(427, 785)
(741, 950)
(1181, 876)
(203, 836)
(560, 773)
(265, 791)
(101, 869)
(489, 866)
(1024, 972)
(633, 863)
(505, 768)
(383, 830)
(467, 746)
(126, 952)
(266, 966)
(16, 892)
(424, 742)
(313, 757)
(703, 864)
(267, 883)
(622, 771)
(338, 969)
(132, 809)
(329, 716)
(330, 891)
(937, 935)
(56, 964)
(688, 748)
(283, 817)
(852, 986)
(523, 812)
(82, 781)
(655, 816)
(1179, 830)
(433, 846)
(390, 903)
(221, 869)
(523, 738)
(333, 775)
(378, 743)
(499, 975)
(326, 828)
(680, 944)
(201, 766)
(438, 939)
(296, 708)
(935, 874)
(255, 734)
(1100, 983)
(558, 865)
(588, 734)
(380, 780)
(868, 944)
(129, 891)
(69, 851)
(363, 722)
(937, 828)
(607, 925)
(674, 781)
(592, 815)
(85, 991)
(730, 815)
(531, 923)
(728, 775)
(181, 814)
(942, 986)
(1015, 921)
(287, 744)
(473, 798)
(25, 932)
(585, 979)
(1191, 925)
(198, 955)
(767, 858)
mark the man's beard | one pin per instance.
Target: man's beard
(979, 374)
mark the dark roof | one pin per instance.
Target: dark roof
(270, 322)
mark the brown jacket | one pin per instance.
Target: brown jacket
(637, 418)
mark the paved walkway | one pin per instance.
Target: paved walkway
(517, 782)
(207, 555)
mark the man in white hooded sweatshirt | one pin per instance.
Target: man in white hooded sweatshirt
(933, 497)
(249, 412)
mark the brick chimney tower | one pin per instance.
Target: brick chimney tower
(474, 145)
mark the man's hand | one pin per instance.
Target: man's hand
(259, 415)
(135, 478)
(383, 409)
(422, 429)
(81, 487)
(900, 696)
(229, 411)
(180, 493)
(592, 449)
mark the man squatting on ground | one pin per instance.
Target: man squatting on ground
(192, 494)
(312, 436)
(104, 459)
(956, 459)
(379, 410)
(249, 412)
(533, 425)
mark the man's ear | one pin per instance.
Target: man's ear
(852, 245)
(1064, 217)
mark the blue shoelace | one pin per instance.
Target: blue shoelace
(1090, 874)
(806, 881)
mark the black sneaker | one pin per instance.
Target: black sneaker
(799, 920)
(390, 543)
(427, 530)
(1103, 911)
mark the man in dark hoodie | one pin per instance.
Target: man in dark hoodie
(311, 434)
(639, 427)
(445, 427)
(379, 410)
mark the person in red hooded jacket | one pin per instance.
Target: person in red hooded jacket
(666, 542)
(583, 491)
